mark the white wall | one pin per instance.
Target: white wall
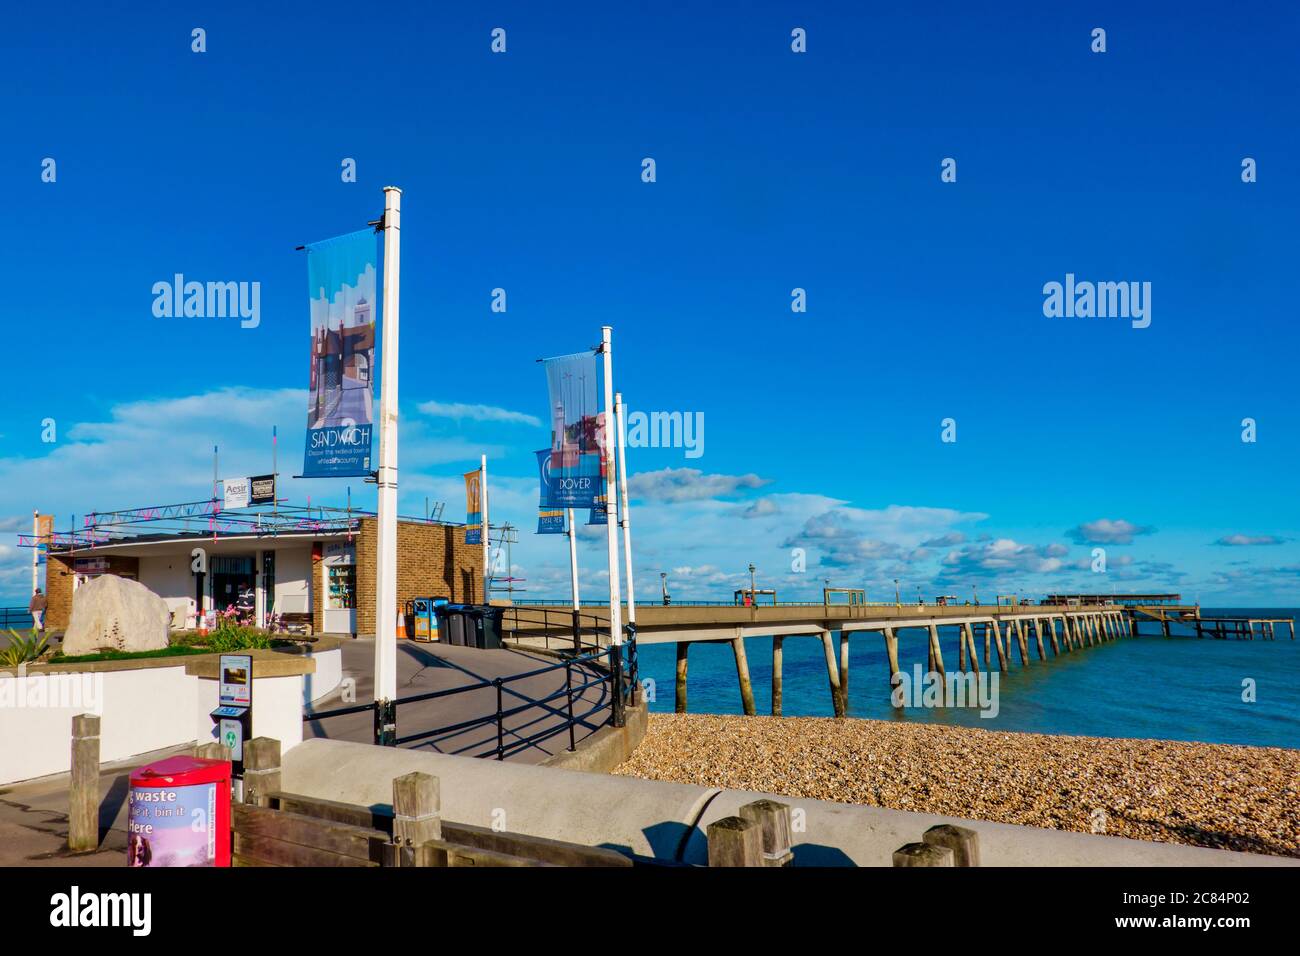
(169, 577)
(293, 578)
(141, 710)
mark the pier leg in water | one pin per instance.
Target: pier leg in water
(1051, 633)
(682, 648)
(936, 652)
(997, 643)
(832, 674)
(1038, 638)
(961, 649)
(968, 636)
(844, 669)
(1022, 643)
(891, 651)
(742, 673)
(776, 675)
(988, 666)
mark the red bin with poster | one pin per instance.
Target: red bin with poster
(179, 813)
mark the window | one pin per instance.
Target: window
(341, 587)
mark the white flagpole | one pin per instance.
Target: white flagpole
(483, 507)
(36, 549)
(625, 517)
(386, 543)
(573, 561)
(611, 498)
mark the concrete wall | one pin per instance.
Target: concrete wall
(169, 577)
(143, 707)
(668, 820)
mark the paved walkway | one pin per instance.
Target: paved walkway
(424, 668)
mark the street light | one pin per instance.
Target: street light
(663, 584)
(753, 598)
(897, 597)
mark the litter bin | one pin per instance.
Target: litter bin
(483, 626)
(179, 813)
(422, 612)
(451, 624)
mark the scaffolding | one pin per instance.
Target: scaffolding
(207, 519)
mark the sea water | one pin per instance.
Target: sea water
(1179, 688)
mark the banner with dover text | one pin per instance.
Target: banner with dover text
(576, 386)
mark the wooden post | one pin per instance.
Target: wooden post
(961, 649)
(997, 643)
(417, 806)
(963, 842)
(1051, 633)
(1038, 638)
(844, 669)
(1021, 643)
(212, 750)
(683, 648)
(261, 770)
(923, 854)
(774, 823)
(777, 657)
(832, 674)
(988, 666)
(83, 795)
(742, 674)
(968, 635)
(936, 655)
(891, 650)
(735, 841)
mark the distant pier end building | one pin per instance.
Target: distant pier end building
(305, 565)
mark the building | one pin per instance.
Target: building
(273, 562)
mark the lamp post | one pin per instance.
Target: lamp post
(753, 598)
(663, 586)
(898, 598)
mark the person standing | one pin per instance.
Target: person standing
(37, 608)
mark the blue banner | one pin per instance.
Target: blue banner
(576, 386)
(340, 405)
(598, 514)
(550, 522)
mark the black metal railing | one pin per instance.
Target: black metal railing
(612, 669)
(19, 618)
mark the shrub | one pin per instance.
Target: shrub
(22, 649)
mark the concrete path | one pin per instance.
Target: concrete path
(34, 818)
(423, 668)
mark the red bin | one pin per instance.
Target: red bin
(179, 813)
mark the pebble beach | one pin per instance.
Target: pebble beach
(1212, 795)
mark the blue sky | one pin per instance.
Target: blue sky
(775, 171)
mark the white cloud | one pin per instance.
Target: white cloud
(1107, 531)
(688, 484)
(476, 413)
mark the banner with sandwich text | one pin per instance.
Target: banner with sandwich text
(340, 404)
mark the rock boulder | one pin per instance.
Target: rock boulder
(109, 611)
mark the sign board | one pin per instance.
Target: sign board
(89, 565)
(261, 489)
(231, 733)
(236, 680)
(340, 553)
(235, 493)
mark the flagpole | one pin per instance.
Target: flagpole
(611, 536)
(386, 480)
(36, 550)
(625, 517)
(483, 507)
(573, 579)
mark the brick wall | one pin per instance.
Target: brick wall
(432, 561)
(58, 584)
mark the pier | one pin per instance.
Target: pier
(988, 637)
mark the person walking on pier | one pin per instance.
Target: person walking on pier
(36, 607)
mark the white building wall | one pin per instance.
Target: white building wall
(169, 577)
(293, 584)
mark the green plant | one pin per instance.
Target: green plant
(22, 649)
(227, 637)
